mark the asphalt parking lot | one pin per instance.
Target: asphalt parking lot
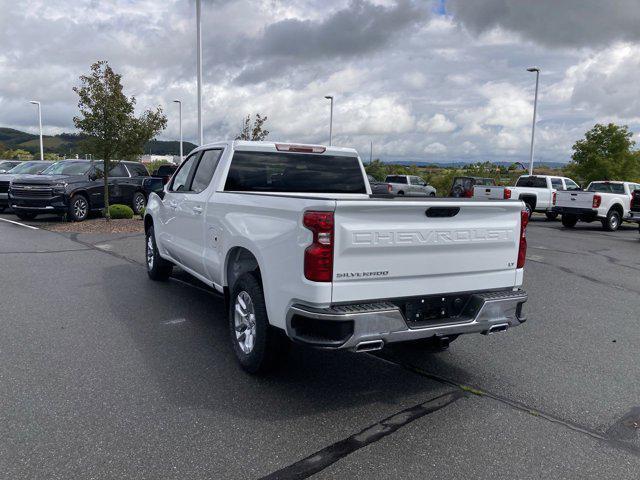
(105, 374)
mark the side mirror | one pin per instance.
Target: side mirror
(93, 177)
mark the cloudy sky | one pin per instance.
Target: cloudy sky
(441, 80)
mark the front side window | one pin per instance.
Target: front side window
(137, 170)
(294, 172)
(205, 170)
(183, 177)
(118, 171)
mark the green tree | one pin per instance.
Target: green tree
(605, 153)
(107, 118)
(256, 131)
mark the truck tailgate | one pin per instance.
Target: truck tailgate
(401, 248)
(488, 193)
(574, 199)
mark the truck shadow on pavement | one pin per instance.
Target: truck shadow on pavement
(181, 333)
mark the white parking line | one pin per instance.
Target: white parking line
(18, 223)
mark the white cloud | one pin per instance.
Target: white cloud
(438, 123)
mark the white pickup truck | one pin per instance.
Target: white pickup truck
(409, 185)
(609, 202)
(536, 191)
(292, 237)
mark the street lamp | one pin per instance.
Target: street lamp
(180, 113)
(330, 98)
(535, 109)
(40, 124)
(199, 68)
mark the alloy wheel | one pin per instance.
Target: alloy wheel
(245, 322)
(80, 208)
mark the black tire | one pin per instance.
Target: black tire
(432, 194)
(158, 268)
(551, 216)
(612, 222)
(529, 209)
(401, 193)
(569, 221)
(138, 203)
(269, 345)
(26, 215)
(78, 208)
(2, 209)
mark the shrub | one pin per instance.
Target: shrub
(120, 211)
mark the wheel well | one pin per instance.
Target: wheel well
(239, 261)
(148, 222)
(618, 208)
(84, 194)
(530, 199)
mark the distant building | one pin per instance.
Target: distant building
(175, 159)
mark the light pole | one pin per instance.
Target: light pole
(180, 114)
(535, 109)
(330, 98)
(40, 125)
(199, 67)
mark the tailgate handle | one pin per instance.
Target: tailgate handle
(439, 212)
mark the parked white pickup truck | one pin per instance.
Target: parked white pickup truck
(609, 202)
(292, 237)
(536, 191)
(410, 185)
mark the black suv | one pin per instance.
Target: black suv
(75, 187)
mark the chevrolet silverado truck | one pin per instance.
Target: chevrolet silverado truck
(293, 238)
(24, 168)
(538, 192)
(409, 185)
(609, 202)
(76, 187)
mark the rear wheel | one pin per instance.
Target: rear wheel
(157, 267)
(551, 215)
(432, 194)
(612, 222)
(400, 192)
(78, 208)
(529, 208)
(2, 209)
(26, 215)
(258, 346)
(569, 221)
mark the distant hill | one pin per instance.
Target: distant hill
(69, 143)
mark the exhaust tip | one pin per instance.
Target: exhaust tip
(501, 327)
(369, 346)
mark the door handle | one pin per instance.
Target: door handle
(173, 205)
(197, 210)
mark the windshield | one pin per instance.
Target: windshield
(606, 187)
(68, 168)
(29, 167)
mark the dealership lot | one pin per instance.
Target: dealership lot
(105, 374)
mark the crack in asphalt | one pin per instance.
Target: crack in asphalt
(46, 251)
(326, 457)
(614, 436)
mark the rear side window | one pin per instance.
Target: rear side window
(137, 170)
(532, 182)
(486, 182)
(294, 172)
(166, 170)
(571, 185)
(557, 183)
(205, 170)
(396, 179)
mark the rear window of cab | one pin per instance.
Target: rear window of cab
(294, 173)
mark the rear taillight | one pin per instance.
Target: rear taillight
(318, 257)
(468, 193)
(389, 188)
(597, 200)
(522, 249)
(553, 200)
(507, 193)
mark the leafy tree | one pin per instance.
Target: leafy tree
(51, 156)
(18, 154)
(107, 118)
(256, 132)
(605, 153)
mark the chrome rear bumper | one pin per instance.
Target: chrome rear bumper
(350, 326)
